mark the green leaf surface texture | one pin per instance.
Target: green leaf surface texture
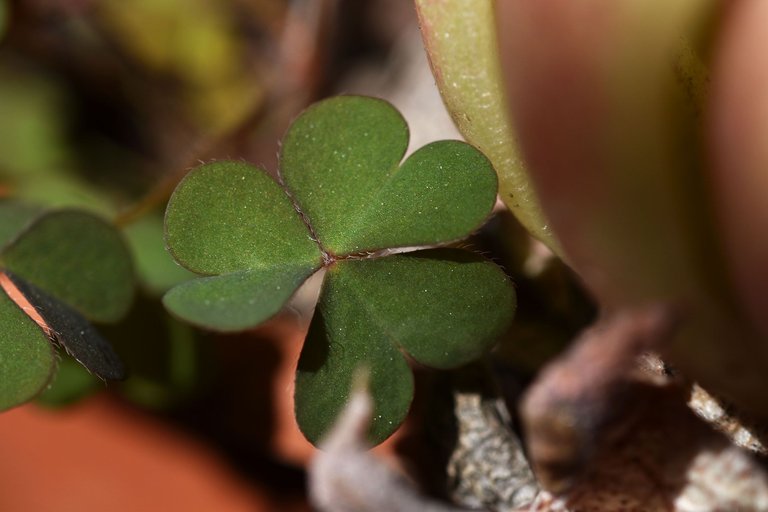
(236, 301)
(79, 259)
(372, 311)
(336, 157)
(226, 217)
(346, 194)
(444, 307)
(335, 348)
(27, 359)
(341, 161)
(441, 193)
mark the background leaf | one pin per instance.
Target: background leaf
(230, 216)
(462, 46)
(14, 217)
(335, 158)
(632, 207)
(27, 361)
(71, 384)
(39, 152)
(155, 268)
(79, 259)
(3, 17)
(170, 362)
(72, 331)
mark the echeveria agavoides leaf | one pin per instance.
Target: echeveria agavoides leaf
(633, 206)
(77, 258)
(72, 331)
(232, 219)
(461, 42)
(373, 310)
(27, 359)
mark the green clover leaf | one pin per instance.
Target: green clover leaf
(70, 267)
(417, 304)
(231, 221)
(348, 179)
(344, 201)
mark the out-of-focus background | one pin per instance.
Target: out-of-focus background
(104, 105)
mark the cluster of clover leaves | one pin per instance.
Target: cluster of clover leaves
(59, 270)
(344, 202)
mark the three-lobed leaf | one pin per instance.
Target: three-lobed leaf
(346, 194)
(58, 268)
(373, 312)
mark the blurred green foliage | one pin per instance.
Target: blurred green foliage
(37, 161)
(105, 104)
(3, 17)
(59, 268)
(98, 103)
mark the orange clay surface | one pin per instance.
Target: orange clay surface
(102, 456)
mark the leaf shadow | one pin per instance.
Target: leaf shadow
(317, 346)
